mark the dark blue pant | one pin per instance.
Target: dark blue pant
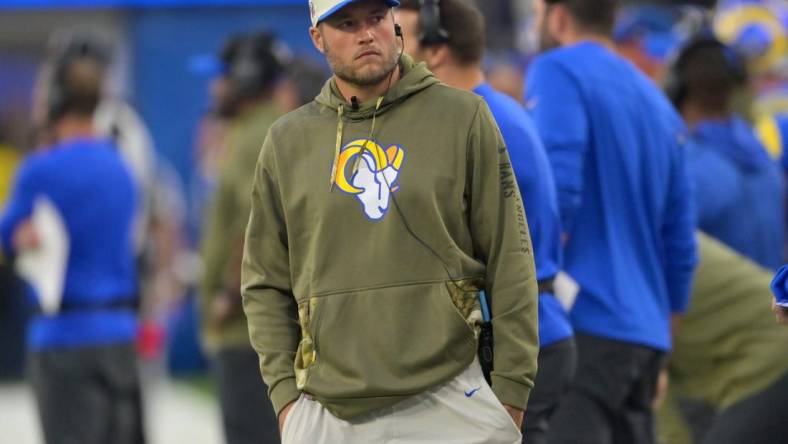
(609, 400)
(557, 364)
(247, 414)
(88, 395)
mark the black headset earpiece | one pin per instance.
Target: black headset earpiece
(397, 30)
(432, 32)
(252, 65)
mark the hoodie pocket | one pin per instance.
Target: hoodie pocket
(385, 342)
(465, 298)
(306, 354)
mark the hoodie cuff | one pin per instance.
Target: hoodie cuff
(283, 393)
(510, 393)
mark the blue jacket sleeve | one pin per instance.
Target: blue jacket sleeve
(678, 234)
(555, 102)
(19, 208)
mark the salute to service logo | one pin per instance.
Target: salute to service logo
(375, 177)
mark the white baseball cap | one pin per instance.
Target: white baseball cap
(319, 10)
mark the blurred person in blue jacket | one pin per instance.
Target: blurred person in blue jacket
(114, 118)
(448, 35)
(82, 359)
(616, 147)
(739, 189)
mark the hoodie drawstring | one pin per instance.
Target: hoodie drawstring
(338, 145)
(340, 129)
(371, 134)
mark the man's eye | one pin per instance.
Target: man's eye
(377, 19)
(346, 24)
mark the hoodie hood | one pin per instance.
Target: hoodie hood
(734, 139)
(415, 78)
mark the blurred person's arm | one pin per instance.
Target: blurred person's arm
(554, 101)
(680, 248)
(268, 300)
(217, 247)
(16, 231)
(672, 426)
(780, 313)
(501, 240)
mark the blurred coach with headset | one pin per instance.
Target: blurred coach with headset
(739, 189)
(82, 362)
(251, 70)
(379, 211)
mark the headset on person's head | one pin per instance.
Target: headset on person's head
(252, 64)
(676, 85)
(431, 30)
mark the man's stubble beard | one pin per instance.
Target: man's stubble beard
(349, 74)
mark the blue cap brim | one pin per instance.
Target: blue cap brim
(340, 5)
(206, 64)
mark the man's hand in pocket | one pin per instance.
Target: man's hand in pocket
(283, 416)
(516, 414)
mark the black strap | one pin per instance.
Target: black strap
(121, 303)
(546, 286)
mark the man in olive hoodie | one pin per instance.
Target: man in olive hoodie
(379, 211)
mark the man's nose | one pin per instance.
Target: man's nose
(365, 34)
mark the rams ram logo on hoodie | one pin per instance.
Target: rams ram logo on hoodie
(372, 177)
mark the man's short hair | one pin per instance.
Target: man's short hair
(597, 16)
(77, 89)
(709, 74)
(464, 25)
(78, 64)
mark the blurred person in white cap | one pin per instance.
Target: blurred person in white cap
(380, 211)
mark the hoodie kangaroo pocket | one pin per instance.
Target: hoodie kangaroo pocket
(387, 342)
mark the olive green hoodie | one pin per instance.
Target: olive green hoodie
(360, 304)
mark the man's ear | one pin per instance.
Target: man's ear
(559, 21)
(317, 39)
(436, 55)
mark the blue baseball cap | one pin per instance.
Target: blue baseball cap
(320, 10)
